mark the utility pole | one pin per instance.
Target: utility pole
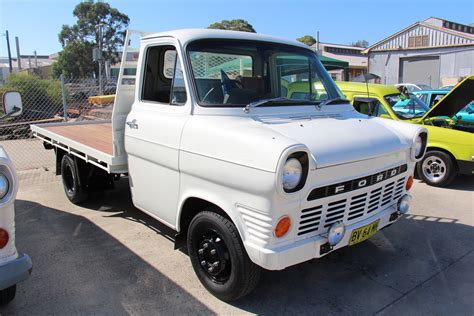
(9, 52)
(17, 42)
(317, 41)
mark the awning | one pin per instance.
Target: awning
(332, 63)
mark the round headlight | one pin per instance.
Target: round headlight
(336, 233)
(418, 146)
(292, 172)
(404, 204)
(4, 186)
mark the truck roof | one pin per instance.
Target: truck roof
(187, 35)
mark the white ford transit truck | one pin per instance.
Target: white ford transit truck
(243, 145)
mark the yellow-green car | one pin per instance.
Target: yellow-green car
(450, 148)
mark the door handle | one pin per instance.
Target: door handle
(133, 124)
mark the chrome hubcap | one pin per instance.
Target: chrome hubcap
(434, 169)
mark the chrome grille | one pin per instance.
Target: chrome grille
(350, 209)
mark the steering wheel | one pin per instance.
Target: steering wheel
(207, 94)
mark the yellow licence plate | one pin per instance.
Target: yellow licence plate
(363, 233)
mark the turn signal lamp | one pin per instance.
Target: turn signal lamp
(409, 183)
(282, 227)
(3, 238)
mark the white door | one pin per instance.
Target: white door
(153, 132)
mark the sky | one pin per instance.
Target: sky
(38, 22)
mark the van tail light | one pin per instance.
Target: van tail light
(4, 237)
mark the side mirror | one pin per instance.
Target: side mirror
(12, 105)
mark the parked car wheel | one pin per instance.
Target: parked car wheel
(7, 295)
(437, 168)
(70, 177)
(219, 258)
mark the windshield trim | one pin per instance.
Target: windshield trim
(192, 80)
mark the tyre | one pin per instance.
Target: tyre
(7, 295)
(437, 168)
(219, 258)
(71, 183)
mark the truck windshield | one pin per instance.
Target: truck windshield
(229, 73)
(406, 106)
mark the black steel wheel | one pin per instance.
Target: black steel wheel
(219, 258)
(71, 182)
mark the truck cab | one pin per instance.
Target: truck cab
(248, 176)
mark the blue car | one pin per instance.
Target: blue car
(431, 97)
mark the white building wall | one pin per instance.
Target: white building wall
(454, 63)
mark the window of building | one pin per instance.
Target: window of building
(418, 41)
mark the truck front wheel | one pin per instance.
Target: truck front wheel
(71, 182)
(219, 258)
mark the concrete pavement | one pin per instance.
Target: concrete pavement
(109, 258)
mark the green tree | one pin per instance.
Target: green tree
(75, 60)
(79, 39)
(307, 39)
(40, 97)
(361, 43)
(233, 25)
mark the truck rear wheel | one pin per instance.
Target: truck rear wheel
(437, 168)
(7, 295)
(219, 258)
(71, 180)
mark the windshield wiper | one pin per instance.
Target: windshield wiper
(337, 100)
(279, 100)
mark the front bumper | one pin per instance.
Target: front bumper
(466, 167)
(314, 247)
(15, 271)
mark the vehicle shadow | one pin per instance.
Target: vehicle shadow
(118, 203)
(385, 274)
(78, 268)
(367, 278)
(460, 183)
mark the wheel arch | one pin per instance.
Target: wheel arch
(190, 207)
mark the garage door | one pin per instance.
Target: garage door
(420, 70)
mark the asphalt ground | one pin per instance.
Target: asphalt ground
(107, 257)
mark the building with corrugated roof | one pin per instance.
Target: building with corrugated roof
(350, 54)
(434, 52)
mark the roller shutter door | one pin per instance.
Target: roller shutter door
(420, 70)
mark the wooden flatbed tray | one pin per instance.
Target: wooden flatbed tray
(97, 136)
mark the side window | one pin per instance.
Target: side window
(179, 89)
(163, 79)
(380, 110)
(423, 97)
(362, 106)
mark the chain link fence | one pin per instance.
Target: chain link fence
(49, 101)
